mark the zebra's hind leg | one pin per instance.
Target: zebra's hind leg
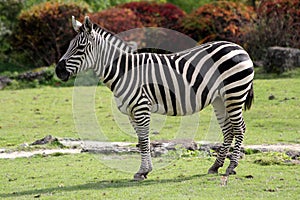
(225, 124)
(228, 137)
(238, 132)
(141, 121)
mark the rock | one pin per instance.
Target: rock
(155, 132)
(281, 59)
(184, 143)
(271, 97)
(45, 140)
(293, 154)
(37, 196)
(4, 81)
(249, 177)
(37, 74)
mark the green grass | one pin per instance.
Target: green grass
(30, 114)
(83, 176)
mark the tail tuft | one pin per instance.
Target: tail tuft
(249, 98)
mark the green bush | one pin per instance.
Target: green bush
(98, 5)
(44, 31)
(188, 5)
(9, 11)
(219, 20)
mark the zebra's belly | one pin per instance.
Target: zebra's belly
(178, 106)
(183, 103)
(160, 109)
(170, 107)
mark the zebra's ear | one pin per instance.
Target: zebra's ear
(76, 24)
(88, 25)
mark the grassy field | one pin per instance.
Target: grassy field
(30, 114)
(83, 176)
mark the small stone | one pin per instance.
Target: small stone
(155, 132)
(271, 190)
(24, 145)
(249, 177)
(271, 97)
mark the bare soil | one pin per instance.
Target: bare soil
(74, 146)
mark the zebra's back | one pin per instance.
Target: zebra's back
(185, 82)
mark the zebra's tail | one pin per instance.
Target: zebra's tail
(249, 98)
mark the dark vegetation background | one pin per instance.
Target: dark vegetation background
(36, 33)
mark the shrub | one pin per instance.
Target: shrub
(277, 24)
(219, 20)
(153, 14)
(44, 31)
(188, 5)
(116, 19)
(163, 15)
(99, 5)
(9, 11)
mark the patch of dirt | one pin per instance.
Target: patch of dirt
(74, 146)
(26, 154)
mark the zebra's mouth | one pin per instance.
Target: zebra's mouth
(65, 78)
(61, 71)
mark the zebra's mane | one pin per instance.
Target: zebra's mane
(110, 35)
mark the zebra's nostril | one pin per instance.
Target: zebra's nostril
(61, 71)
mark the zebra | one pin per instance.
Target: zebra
(219, 73)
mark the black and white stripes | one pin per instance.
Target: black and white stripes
(218, 73)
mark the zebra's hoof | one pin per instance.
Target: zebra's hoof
(230, 172)
(140, 177)
(212, 171)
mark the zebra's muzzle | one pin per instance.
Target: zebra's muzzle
(61, 71)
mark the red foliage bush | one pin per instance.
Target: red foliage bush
(285, 16)
(43, 32)
(153, 14)
(221, 20)
(273, 8)
(277, 24)
(116, 19)
(120, 20)
(163, 15)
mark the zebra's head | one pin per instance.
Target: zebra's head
(79, 55)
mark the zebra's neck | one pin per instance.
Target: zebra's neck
(108, 52)
(109, 48)
(114, 39)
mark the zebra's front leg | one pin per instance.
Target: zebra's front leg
(141, 121)
(146, 163)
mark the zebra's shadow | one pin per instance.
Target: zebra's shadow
(104, 184)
